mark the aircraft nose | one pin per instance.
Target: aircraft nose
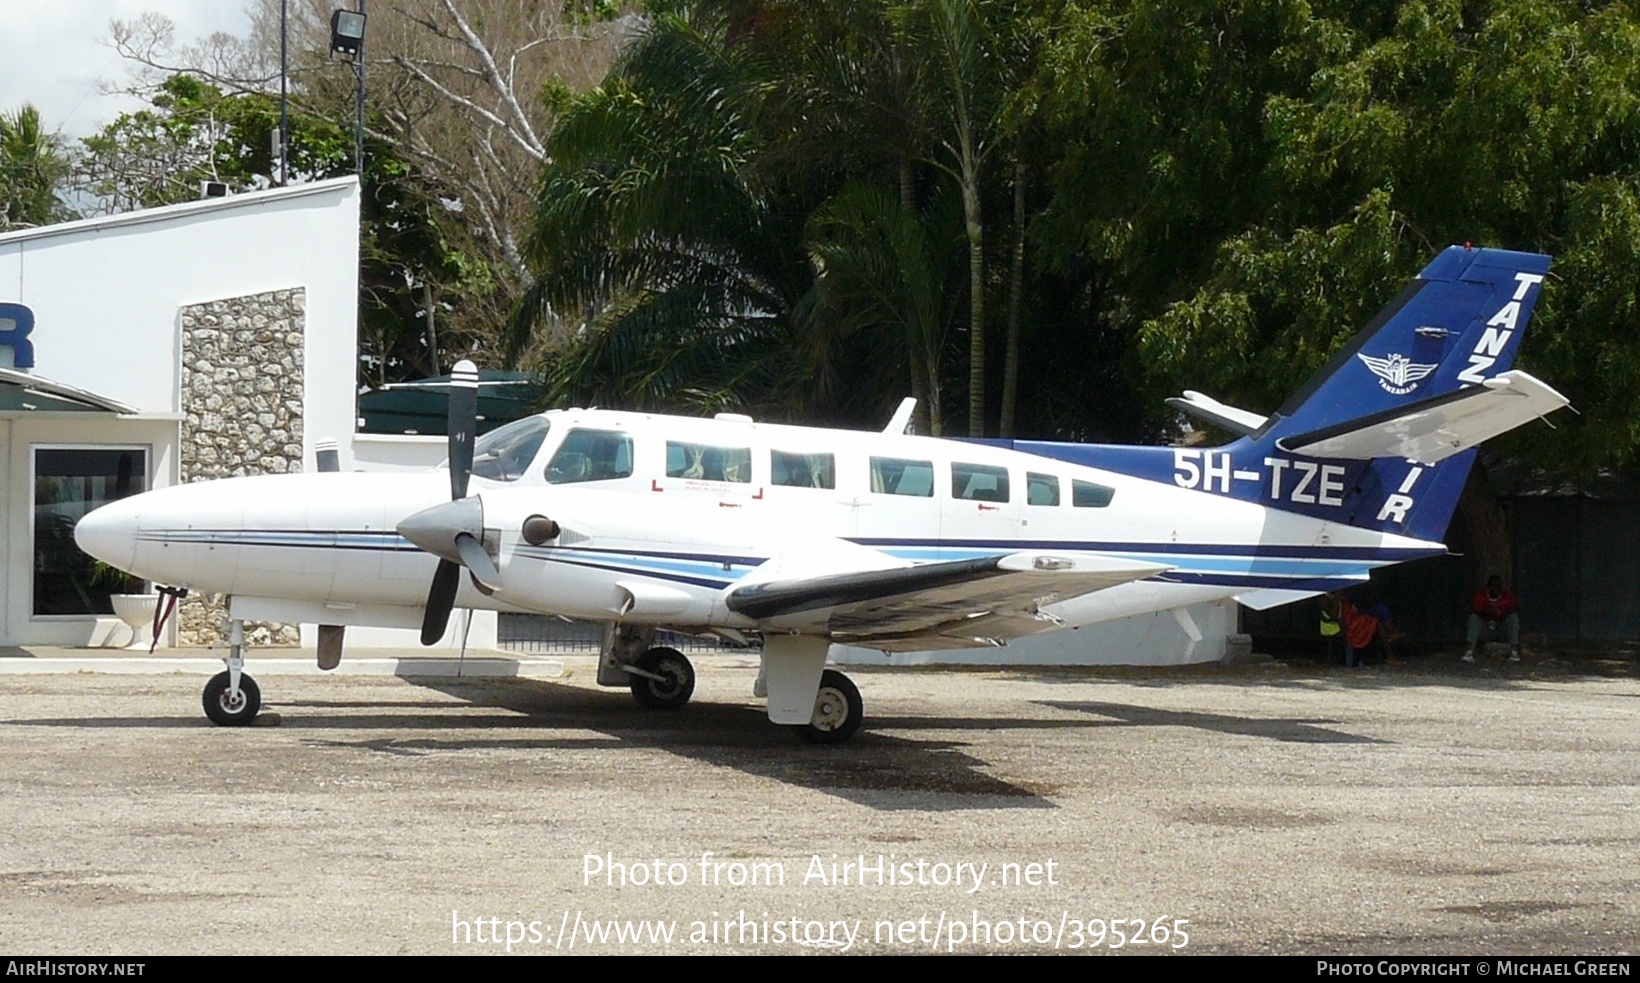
(110, 534)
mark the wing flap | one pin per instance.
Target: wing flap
(1434, 429)
(963, 601)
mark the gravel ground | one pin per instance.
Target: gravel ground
(1260, 809)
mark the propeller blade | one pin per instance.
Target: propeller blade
(478, 561)
(441, 599)
(462, 425)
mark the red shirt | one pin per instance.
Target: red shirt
(1359, 627)
(1495, 608)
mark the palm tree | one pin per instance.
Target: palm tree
(961, 102)
(31, 168)
(883, 271)
(674, 259)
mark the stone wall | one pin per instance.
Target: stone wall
(242, 415)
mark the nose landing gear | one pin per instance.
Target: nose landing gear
(231, 698)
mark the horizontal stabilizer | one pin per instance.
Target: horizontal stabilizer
(1264, 600)
(1431, 430)
(1209, 410)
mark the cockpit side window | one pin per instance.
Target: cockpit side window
(505, 453)
(591, 455)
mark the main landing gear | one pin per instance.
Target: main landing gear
(662, 679)
(232, 699)
(838, 711)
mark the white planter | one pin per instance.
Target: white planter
(137, 611)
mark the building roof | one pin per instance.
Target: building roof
(25, 392)
(143, 216)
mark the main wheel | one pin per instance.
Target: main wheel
(229, 712)
(838, 711)
(673, 689)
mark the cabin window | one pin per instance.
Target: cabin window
(979, 483)
(704, 462)
(1041, 489)
(506, 453)
(896, 476)
(803, 470)
(591, 455)
(1087, 495)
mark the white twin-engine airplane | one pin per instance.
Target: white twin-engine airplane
(808, 538)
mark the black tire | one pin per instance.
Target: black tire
(225, 713)
(679, 675)
(838, 711)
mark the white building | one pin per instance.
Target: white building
(220, 337)
(201, 340)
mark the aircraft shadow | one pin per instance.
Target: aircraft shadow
(1298, 731)
(876, 770)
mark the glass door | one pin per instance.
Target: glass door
(68, 483)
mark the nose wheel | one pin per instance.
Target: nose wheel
(229, 708)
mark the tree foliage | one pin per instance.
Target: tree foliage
(1154, 195)
(455, 99)
(195, 132)
(1513, 123)
(32, 171)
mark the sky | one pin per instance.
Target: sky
(53, 53)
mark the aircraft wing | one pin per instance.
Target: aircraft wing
(1433, 429)
(952, 604)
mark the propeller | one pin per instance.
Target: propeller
(453, 532)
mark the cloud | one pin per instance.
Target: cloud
(56, 54)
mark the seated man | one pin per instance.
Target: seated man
(1494, 616)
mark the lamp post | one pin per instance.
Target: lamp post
(284, 72)
(347, 38)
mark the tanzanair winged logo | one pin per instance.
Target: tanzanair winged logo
(1396, 374)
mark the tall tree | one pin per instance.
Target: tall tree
(454, 91)
(193, 132)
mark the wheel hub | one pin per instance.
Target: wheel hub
(830, 710)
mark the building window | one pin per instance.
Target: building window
(68, 483)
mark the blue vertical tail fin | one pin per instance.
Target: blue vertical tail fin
(1458, 324)
(1393, 390)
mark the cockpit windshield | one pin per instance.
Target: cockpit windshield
(505, 454)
